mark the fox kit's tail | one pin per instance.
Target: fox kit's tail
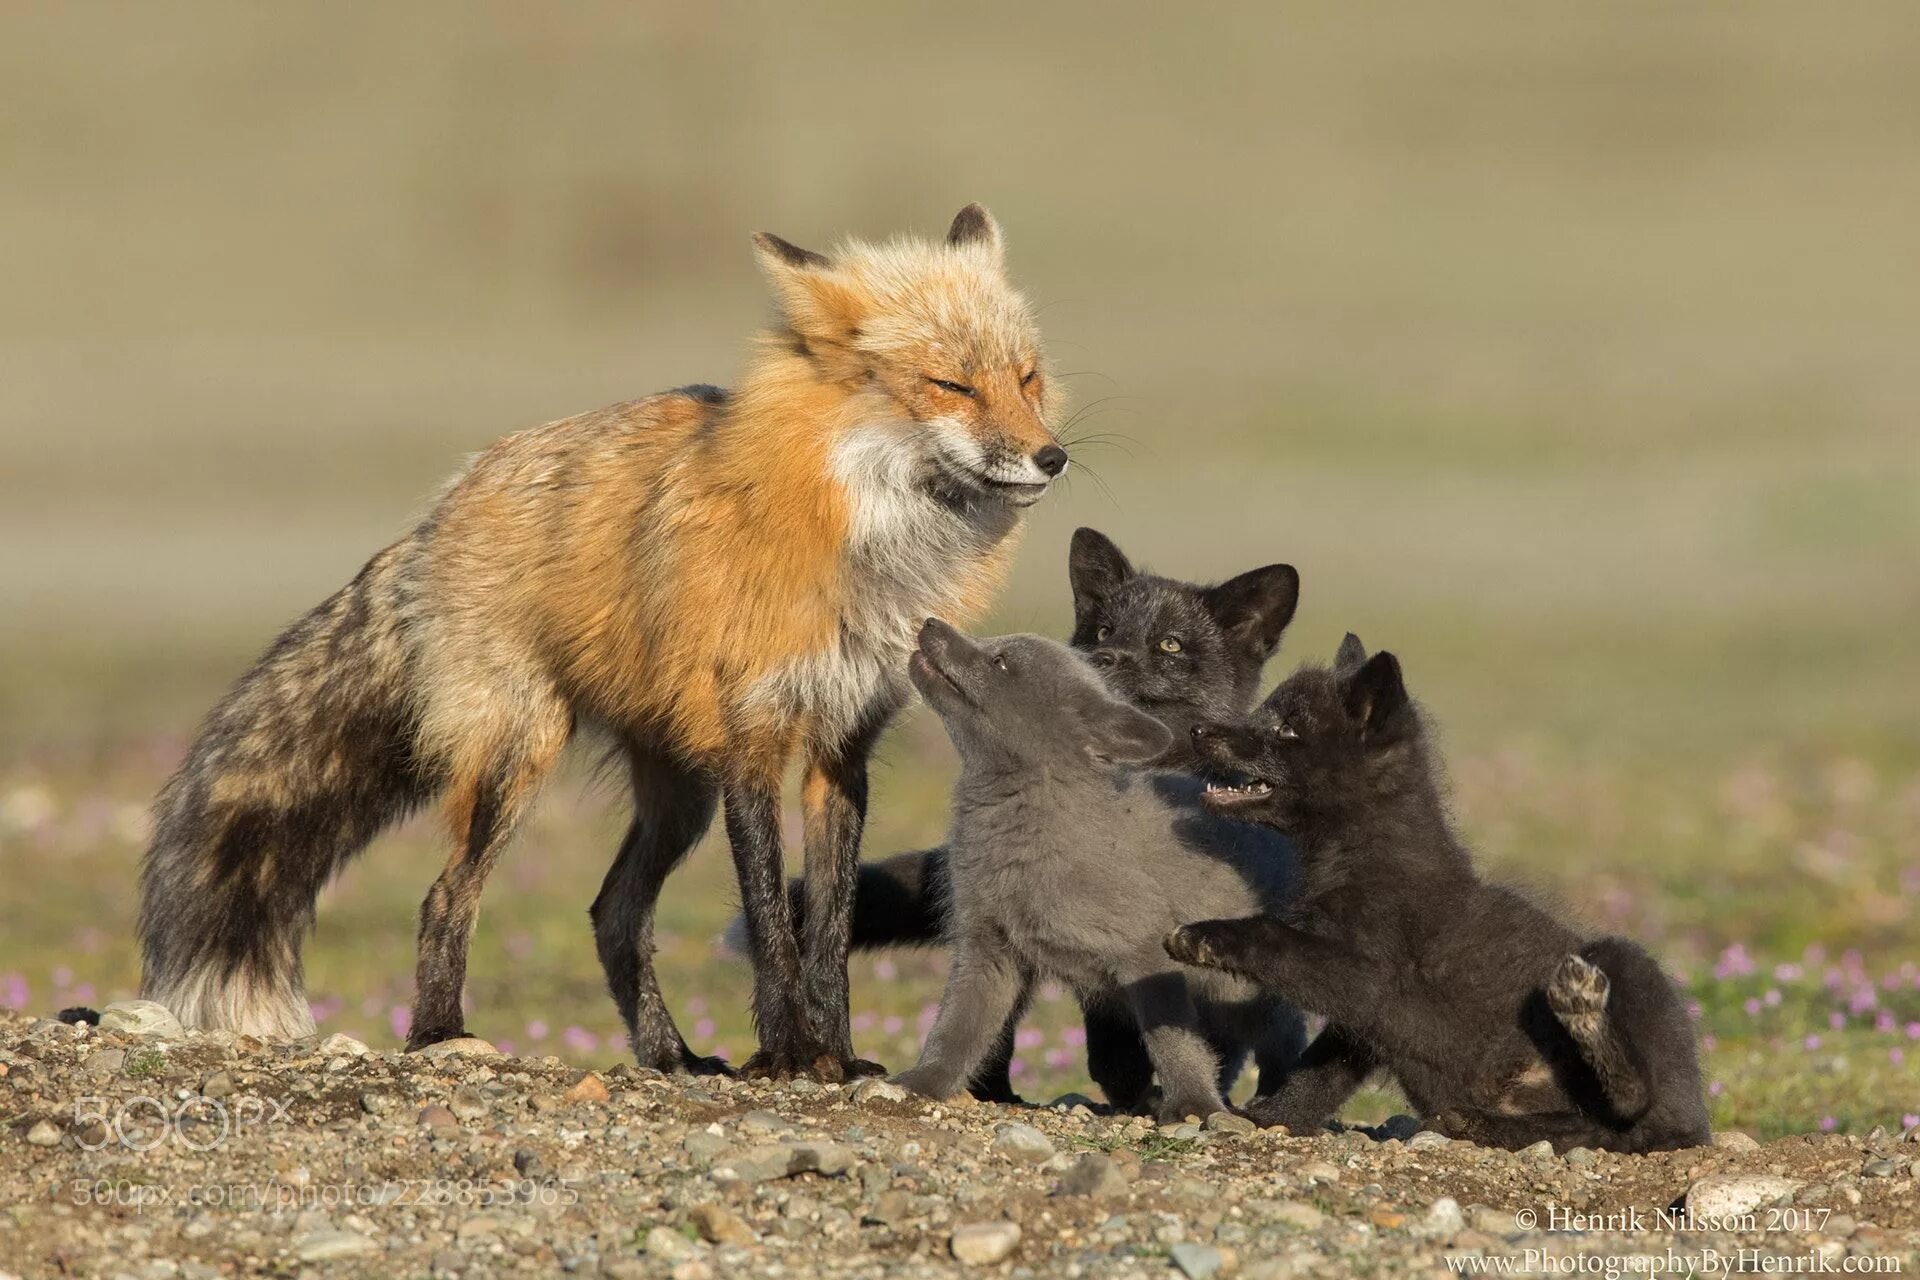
(296, 769)
(900, 901)
(1578, 995)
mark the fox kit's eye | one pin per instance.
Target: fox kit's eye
(953, 388)
(1026, 379)
(1170, 644)
(1282, 729)
(1100, 634)
(1000, 662)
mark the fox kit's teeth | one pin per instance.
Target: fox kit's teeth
(1239, 791)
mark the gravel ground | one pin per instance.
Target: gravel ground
(165, 1154)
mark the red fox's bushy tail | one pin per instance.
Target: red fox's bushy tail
(295, 770)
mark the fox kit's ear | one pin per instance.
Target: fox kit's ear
(1120, 734)
(1095, 566)
(974, 228)
(1375, 693)
(815, 301)
(1351, 657)
(1255, 607)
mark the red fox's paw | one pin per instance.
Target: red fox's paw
(827, 1068)
(682, 1061)
(420, 1037)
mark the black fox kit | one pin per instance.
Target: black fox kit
(1066, 862)
(721, 582)
(1502, 1025)
(1183, 652)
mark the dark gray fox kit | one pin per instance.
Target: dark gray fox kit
(1502, 1025)
(1183, 652)
(1065, 862)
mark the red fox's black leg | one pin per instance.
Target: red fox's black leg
(672, 806)
(1116, 1055)
(834, 800)
(484, 814)
(753, 830)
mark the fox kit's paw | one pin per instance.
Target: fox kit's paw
(1207, 944)
(420, 1037)
(1195, 1109)
(678, 1060)
(1578, 989)
(927, 1084)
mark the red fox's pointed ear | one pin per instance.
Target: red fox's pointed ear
(973, 227)
(816, 301)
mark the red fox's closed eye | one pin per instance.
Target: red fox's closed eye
(957, 388)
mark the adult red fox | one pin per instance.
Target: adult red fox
(719, 581)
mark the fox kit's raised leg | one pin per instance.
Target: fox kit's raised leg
(483, 811)
(1578, 994)
(833, 800)
(673, 804)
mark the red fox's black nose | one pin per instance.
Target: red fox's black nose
(1052, 459)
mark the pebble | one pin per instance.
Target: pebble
(1093, 1174)
(1734, 1140)
(1022, 1143)
(764, 1122)
(1196, 1261)
(438, 1119)
(45, 1133)
(141, 1018)
(1319, 1171)
(719, 1225)
(1444, 1218)
(1581, 1157)
(588, 1088)
(1428, 1140)
(1297, 1214)
(981, 1244)
(1386, 1217)
(218, 1084)
(1727, 1195)
(465, 1046)
(1228, 1122)
(341, 1045)
(324, 1246)
(877, 1089)
(773, 1160)
(1879, 1168)
(104, 1062)
(468, 1105)
(1541, 1150)
(665, 1242)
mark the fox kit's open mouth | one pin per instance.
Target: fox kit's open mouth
(1227, 794)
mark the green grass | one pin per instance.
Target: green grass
(1566, 353)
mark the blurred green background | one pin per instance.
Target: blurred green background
(1568, 350)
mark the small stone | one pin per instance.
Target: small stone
(691, 1269)
(1093, 1174)
(141, 1018)
(1299, 1215)
(1733, 1140)
(374, 1103)
(981, 1244)
(1184, 1131)
(1729, 1195)
(324, 1246)
(341, 1045)
(665, 1242)
(468, 1105)
(774, 1160)
(1228, 1122)
(439, 1120)
(218, 1084)
(1022, 1143)
(877, 1089)
(45, 1133)
(465, 1046)
(1443, 1219)
(1319, 1171)
(1541, 1150)
(104, 1062)
(1581, 1157)
(1387, 1219)
(703, 1147)
(720, 1226)
(528, 1164)
(889, 1209)
(1841, 1224)
(588, 1088)
(1428, 1140)
(1878, 1168)
(1196, 1261)
(763, 1122)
